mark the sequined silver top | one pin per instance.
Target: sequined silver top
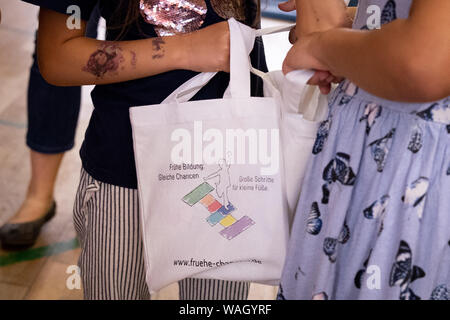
(182, 16)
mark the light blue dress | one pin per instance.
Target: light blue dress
(373, 221)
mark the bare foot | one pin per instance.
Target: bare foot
(32, 209)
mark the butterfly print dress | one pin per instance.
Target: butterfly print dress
(373, 220)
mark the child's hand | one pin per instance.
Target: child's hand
(324, 79)
(208, 49)
(287, 6)
(300, 57)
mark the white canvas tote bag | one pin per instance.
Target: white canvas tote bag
(303, 108)
(210, 180)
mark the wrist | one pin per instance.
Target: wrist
(322, 46)
(182, 56)
(320, 16)
(178, 48)
(316, 48)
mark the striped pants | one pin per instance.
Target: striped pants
(106, 219)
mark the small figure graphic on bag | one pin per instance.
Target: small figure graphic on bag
(220, 209)
(222, 181)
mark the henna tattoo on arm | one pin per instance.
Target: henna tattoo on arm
(316, 15)
(109, 58)
(133, 59)
(106, 59)
(158, 48)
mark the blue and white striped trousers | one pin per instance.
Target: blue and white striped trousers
(106, 219)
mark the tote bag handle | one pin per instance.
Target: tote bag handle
(242, 40)
(241, 44)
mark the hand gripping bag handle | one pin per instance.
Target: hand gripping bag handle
(242, 40)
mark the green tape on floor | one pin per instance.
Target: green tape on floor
(13, 124)
(37, 253)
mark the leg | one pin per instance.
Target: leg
(112, 265)
(52, 119)
(206, 289)
(39, 198)
(226, 200)
(106, 219)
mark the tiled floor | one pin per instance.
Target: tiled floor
(45, 277)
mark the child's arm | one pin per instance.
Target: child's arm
(346, 21)
(68, 58)
(318, 16)
(315, 16)
(407, 60)
(322, 15)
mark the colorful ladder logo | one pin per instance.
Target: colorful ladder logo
(219, 213)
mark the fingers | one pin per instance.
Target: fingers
(338, 79)
(287, 6)
(292, 60)
(298, 58)
(226, 68)
(293, 36)
(319, 77)
(325, 88)
(286, 68)
(323, 80)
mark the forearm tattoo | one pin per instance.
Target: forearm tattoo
(158, 48)
(133, 59)
(107, 59)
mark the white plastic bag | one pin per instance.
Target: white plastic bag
(303, 108)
